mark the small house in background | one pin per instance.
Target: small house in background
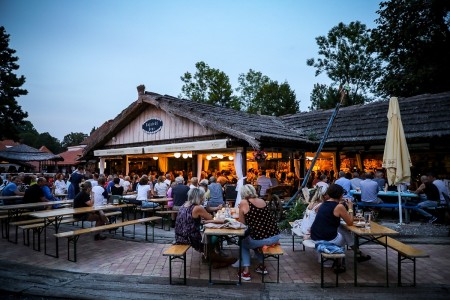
(70, 157)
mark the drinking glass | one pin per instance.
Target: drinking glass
(367, 218)
(359, 214)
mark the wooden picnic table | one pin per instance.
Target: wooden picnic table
(16, 210)
(375, 234)
(55, 217)
(210, 232)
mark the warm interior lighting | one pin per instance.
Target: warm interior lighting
(185, 155)
(177, 155)
(230, 157)
(208, 157)
(155, 157)
(219, 156)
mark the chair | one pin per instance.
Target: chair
(230, 193)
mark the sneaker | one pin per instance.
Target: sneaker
(261, 270)
(432, 220)
(245, 276)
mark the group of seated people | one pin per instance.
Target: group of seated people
(262, 228)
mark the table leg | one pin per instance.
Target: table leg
(209, 259)
(355, 256)
(387, 264)
(240, 259)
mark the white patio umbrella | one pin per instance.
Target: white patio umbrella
(396, 157)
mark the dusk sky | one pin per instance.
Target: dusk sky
(83, 59)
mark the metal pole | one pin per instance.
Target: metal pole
(343, 91)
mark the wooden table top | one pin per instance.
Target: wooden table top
(10, 197)
(375, 229)
(33, 205)
(72, 211)
(225, 231)
(160, 200)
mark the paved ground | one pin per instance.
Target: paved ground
(122, 268)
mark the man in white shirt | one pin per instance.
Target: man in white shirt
(264, 182)
(369, 190)
(439, 184)
(345, 183)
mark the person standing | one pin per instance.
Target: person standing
(75, 179)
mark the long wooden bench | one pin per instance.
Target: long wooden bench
(177, 252)
(405, 252)
(107, 214)
(73, 236)
(166, 217)
(37, 229)
(272, 251)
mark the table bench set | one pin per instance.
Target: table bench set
(377, 234)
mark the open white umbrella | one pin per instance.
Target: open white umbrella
(396, 157)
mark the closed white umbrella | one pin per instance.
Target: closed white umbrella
(396, 157)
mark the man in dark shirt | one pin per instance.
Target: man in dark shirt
(35, 193)
(179, 195)
(432, 198)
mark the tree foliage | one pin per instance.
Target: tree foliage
(209, 85)
(11, 114)
(346, 58)
(413, 37)
(275, 99)
(250, 85)
(73, 139)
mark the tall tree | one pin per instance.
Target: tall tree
(414, 38)
(209, 85)
(346, 58)
(275, 99)
(52, 143)
(11, 114)
(249, 86)
(73, 139)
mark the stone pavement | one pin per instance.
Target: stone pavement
(130, 269)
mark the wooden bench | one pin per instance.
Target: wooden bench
(166, 216)
(177, 252)
(73, 236)
(404, 252)
(37, 229)
(294, 235)
(326, 257)
(273, 251)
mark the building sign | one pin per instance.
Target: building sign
(193, 146)
(152, 126)
(120, 151)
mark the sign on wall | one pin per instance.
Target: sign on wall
(152, 125)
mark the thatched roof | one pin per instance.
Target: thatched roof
(257, 130)
(26, 153)
(425, 116)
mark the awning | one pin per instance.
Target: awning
(178, 147)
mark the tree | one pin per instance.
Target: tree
(346, 58)
(413, 37)
(73, 139)
(52, 143)
(28, 135)
(323, 97)
(209, 85)
(249, 86)
(11, 114)
(275, 100)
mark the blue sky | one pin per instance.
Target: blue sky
(83, 59)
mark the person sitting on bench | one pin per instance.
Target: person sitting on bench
(83, 199)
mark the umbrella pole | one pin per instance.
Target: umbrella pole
(400, 211)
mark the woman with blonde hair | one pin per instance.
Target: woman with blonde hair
(262, 229)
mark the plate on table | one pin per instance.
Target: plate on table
(360, 224)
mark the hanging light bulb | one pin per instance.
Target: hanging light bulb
(177, 154)
(230, 157)
(208, 157)
(220, 156)
(155, 157)
(185, 155)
